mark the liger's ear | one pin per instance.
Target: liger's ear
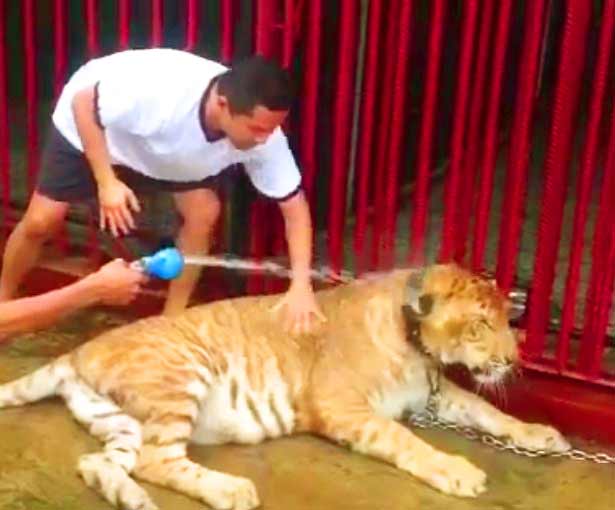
(421, 304)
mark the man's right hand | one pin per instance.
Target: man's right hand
(116, 283)
(116, 201)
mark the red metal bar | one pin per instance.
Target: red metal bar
(92, 28)
(227, 20)
(59, 76)
(342, 122)
(123, 23)
(5, 159)
(309, 104)
(520, 142)
(382, 141)
(60, 45)
(559, 151)
(399, 93)
(598, 299)
(157, 23)
(263, 45)
(420, 200)
(589, 161)
(487, 168)
(193, 16)
(452, 187)
(474, 141)
(364, 172)
(29, 34)
(289, 32)
(264, 41)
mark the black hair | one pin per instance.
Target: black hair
(256, 81)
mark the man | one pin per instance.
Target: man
(116, 283)
(162, 119)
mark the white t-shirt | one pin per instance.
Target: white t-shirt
(149, 103)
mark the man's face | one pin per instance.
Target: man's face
(246, 131)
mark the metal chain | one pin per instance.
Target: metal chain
(430, 419)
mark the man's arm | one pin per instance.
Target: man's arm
(114, 283)
(299, 300)
(298, 228)
(116, 199)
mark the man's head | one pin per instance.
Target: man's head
(252, 99)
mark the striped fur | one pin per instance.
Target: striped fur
(226, 372)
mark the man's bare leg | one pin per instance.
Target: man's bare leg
(41, 221)
(200, 210)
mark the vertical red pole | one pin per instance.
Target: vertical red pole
(5, 160)
(487, 167)
(364, 174)
(29, 34)
(382, 143)
(263, 42)
(599, 293)
(474, 141)
(60, 45)
(342, 122)
(265, 20)
(559, 151)
(520, 143)
(452, 187)
(59, 77)
(227, 16)
(289, 33)
(92, 28)
(420, 201)
(192, 24)
(123, 23)
(157, 23)
(589, 161)
(399, 93)
(309, 104)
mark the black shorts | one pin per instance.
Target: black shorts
(66, 176)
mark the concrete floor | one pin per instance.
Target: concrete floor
(40, 444)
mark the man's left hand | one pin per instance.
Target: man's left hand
(301, 308)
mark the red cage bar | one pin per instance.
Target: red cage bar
(29, 38)
(92, 28)
(453, 183)
(399, 93)
(385, 107)
(340, 143)
(589, 160)
(520, 142)
(309, 103)
(487, 167)
(420, 199)
(123, 24)
(157, 23)
(192, 13)
(364, 173)
(227, 19)
(474, 141)
(559, 152)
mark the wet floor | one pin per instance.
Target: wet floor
(40, 444)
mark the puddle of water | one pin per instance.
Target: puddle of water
(40, 444)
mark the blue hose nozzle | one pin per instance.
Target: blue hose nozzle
(166, 264)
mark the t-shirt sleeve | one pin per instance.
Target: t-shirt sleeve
(124, 101)
(273, 171)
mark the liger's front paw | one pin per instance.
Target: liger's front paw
(539, 437)
(450, 474)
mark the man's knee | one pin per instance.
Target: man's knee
(202, 214)
(43, 222)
